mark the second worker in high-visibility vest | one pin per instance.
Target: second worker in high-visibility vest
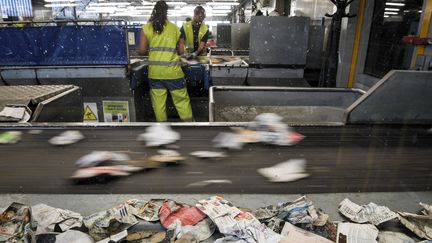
(161, 39)
(195, 33)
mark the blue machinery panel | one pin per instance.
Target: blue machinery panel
(63, 45)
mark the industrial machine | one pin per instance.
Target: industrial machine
(91, 55)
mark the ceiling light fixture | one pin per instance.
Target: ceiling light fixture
(58, 1)
(110, 4)
(391, 9)
(222, 3)
(394, 4)
(60, 5)
(390, 13)
(176, 3)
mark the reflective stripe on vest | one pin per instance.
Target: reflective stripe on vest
(167, 49)
(188, 29)
(161, 63)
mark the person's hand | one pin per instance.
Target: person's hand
(188, 56)
(194, 55)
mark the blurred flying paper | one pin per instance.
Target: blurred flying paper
(117, 170)
(159, 134)
(228, 141)
(293, 234)
(208, 154)
(291, 170)
(208, 182)
(66, 138)
(11, 137)
(371, 213)
(97, 157)
(359, 233)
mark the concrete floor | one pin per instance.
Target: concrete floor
(90, 203)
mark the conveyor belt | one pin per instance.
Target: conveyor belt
(340, 159)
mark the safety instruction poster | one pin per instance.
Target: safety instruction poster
(90, 112)
(115, 111)
(131, 38)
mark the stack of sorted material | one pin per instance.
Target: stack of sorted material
(214, 219)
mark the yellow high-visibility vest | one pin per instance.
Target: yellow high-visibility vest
(164, 62)
(187, 27)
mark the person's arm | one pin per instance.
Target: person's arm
(143, 45)
(202, 43)
(181, 46)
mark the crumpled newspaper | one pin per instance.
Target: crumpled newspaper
(372, 213)
(393, 237)
(73, 236)
(170, 211)
(147, 210)
(359, 233)
(16, 224)
(293, 234)
(291, 170)
(104, 224)
(421, 225)
(159, 134)
(200, 231)
(427, 209)
(300, 211)
(15, 113)
(48, 217)
(239, 226)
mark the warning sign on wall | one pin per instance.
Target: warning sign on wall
(131, 38)
(90, 112)
(116, 111)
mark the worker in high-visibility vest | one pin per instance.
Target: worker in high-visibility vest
(160, 38)
(195, 33)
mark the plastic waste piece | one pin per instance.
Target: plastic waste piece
(66, 138)
(208, 154)
(10, 137)
(97, 157)
(159, 134)
(291, 170)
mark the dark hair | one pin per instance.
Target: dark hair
(159, 16)
(188, 19)
(198, 10)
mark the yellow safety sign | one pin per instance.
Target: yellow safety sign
(90, 112)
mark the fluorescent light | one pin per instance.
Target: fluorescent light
(55, 1)
(56, 5)
(176, 3)
(222, 3)
(109, 4)
(390, 13)
(391, 9)
(394, 4)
